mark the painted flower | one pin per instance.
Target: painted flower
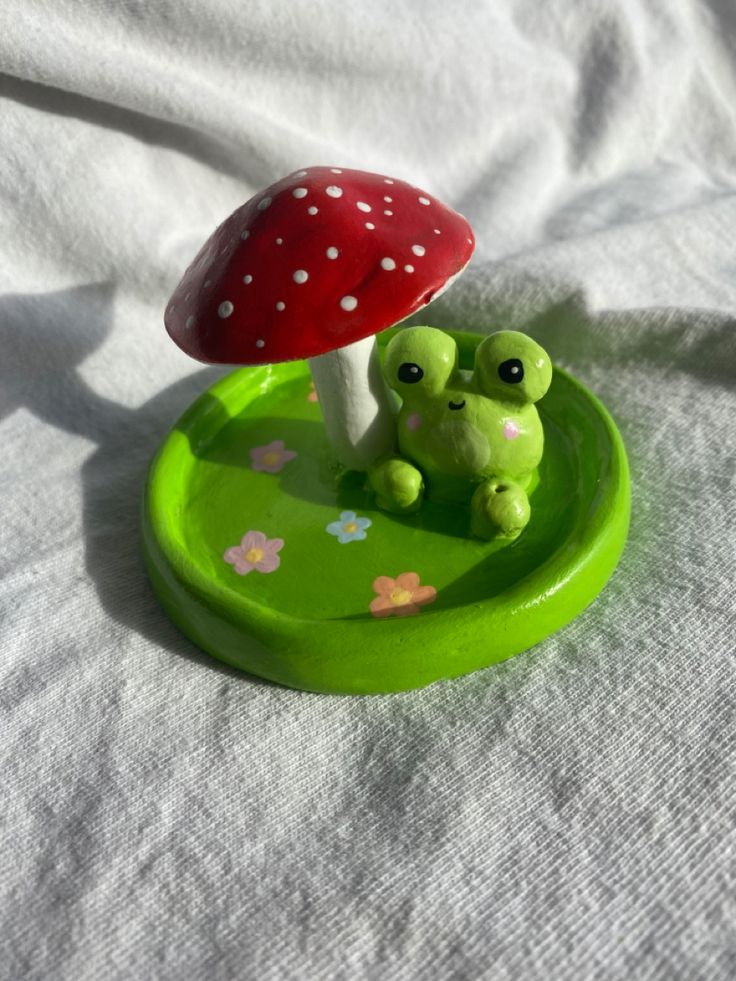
(271, 458)
(255, 552)
(402, 596)
(349, 528)
(312, 397)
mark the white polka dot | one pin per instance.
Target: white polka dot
(244, 234)
(312, 210)
(424, 200)
(189, 323)
(437, 231)
(281, 305)
(348, 303)
(260, 343)
(248, 279)
(418, 249)
(299, 192)
(470, 241)
(225, 309)
(389, 213)
(388, 263)
(388, 200)
(334, 191)
(387, 180)
(264, 203)
(332, 252)
(335, 170)
(370, 225)
(300, 276)
(300, 173)
(408, 268)
(362, 206)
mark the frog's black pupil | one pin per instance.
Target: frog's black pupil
(511, 371)
(410, 372)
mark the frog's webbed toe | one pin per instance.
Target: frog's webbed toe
(398, 485)
(499, 509)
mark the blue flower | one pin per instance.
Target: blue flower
(349, 528)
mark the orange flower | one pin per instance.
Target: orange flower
(402, 596)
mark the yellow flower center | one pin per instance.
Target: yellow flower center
(254, 555)
(350, 527)
(400, 597)
(271, 458)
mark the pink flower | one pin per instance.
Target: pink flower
(402, 596)
(271, 458)
(255, 552)
(312, 397)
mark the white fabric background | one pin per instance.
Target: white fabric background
(567, 815)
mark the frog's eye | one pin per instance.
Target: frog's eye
(511, 371)
(409, 372)
(510, 366)
(419, 361)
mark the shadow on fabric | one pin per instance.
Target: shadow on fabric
(45, 337)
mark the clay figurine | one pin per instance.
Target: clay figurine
(465, 438)
(283, 523)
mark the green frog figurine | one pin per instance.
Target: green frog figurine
(465, 437)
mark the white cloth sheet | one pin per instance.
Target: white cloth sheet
(567, 815)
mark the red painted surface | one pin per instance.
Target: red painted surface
(314, 318)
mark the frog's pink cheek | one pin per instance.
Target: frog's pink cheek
(414, 421)
(510, 429)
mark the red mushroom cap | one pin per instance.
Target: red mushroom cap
(318, 260)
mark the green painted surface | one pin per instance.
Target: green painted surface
(465, 437)
(308, 623)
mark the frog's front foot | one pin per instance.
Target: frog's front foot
(499, 509)
(398, 485)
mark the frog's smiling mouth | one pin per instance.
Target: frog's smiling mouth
(456, 405)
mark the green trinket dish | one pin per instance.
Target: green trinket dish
(273, 558)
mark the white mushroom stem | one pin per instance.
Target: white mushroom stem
(356, 405)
